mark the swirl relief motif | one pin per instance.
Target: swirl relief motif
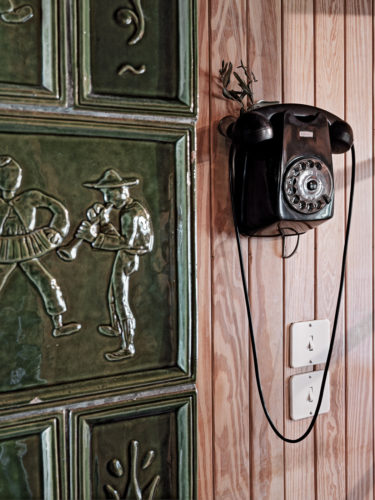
(126, 17)
(15, 15)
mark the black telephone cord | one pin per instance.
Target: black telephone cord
(244, 284)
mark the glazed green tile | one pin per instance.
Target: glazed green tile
(160, 291)
(30, 51)
(134, 450)
(21, 468)
(28, 460)
(15, 52)
(144, 62)
(157, 51)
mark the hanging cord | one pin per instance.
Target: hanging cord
(244, 284)
(284, 237)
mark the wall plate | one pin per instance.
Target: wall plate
(309, 342)
(304, 392)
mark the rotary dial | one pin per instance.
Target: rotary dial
(308, 185)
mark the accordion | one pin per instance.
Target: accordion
(24, 246)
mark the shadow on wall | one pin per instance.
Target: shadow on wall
(361, 488)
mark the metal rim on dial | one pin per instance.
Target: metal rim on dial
(308, 185)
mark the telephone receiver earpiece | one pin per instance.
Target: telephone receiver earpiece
(254, 127)
(251, 128)
(341, 136)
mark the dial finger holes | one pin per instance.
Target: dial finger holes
(308, 185)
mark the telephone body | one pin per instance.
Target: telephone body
(282, 167)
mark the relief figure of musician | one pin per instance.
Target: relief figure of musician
(22, 243)
(134, 238)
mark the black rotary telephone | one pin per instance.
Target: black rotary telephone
(282, 184)
(283, 167)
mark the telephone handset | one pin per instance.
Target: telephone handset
(283, 176)
(281, 184)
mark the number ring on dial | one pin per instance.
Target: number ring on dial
(308, 185)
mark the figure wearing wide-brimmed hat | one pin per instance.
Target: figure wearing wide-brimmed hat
(134, 239)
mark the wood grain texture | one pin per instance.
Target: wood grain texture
(265, 52)
(203, 190)
(330, 95)
(298, 78)
(317, 52)
(230, 336)
(266, 277)
(359, 326)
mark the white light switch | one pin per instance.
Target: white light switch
(304, 391)
(309, 342)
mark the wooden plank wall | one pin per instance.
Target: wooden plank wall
(318, 52)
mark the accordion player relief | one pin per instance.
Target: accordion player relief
(22, 244)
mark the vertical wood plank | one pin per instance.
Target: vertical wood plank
(342, 71)
(266, 276)
(298, 78)
(230, 337)
(203, 190)
(330, 95)
(359, 387)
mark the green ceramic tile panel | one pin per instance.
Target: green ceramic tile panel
(21, 468)
(136, 449)
(29, 50)
(157, 51)
(28, 461)
(126, 405)
(22, 62)
(137, 54)
(160, 293)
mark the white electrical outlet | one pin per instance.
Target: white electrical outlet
(304, 392)
(309, 342)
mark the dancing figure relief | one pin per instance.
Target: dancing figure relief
(129, 242)
(22, 243)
